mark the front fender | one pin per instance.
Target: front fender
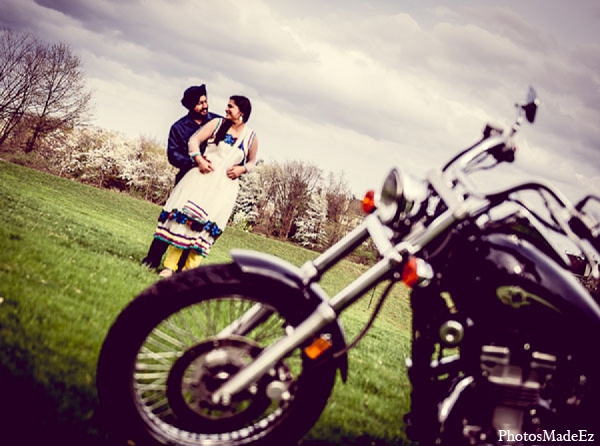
(274, 268)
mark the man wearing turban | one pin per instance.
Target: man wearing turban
(196, 102)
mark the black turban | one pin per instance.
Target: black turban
(192, 95)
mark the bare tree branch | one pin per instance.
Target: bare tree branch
(61, 98)
(42, 88)
(20, 62)
(291, 186)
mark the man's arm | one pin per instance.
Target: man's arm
(177, 150)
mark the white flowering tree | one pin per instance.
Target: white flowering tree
(310, 225)
(151, 176)
(289, 186)
(288, 199)
(108, 159)
(250, 197)
(100, 157)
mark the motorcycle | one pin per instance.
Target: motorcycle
(247, 352)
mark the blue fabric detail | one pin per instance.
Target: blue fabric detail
(229, 139)
(212, 229)
(195, 225)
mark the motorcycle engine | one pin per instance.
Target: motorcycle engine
(516, 394)
(515, 387)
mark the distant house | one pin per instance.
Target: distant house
(353, 216)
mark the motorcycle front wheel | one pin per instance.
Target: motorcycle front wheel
(178, 341)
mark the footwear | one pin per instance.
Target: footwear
(150, 264)
(166, 273)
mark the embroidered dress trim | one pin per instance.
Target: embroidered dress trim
(191, 222)
(209, 230)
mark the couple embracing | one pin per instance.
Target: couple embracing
(219, 151)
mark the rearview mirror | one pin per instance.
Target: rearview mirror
(531, 105)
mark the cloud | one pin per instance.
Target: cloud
(353, 87)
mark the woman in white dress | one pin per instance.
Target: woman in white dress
(198, 209)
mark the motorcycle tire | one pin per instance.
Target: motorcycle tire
(165, 354)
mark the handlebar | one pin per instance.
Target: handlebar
(497, 141)
(582, 230)
(486, 144)
(567, 220)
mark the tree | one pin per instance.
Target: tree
(291, 185)
(110, 160)
(310, 225)
(339, 197)
(278, 199)
(61, 100)
(20, 68)
(148, 172)
(251, 197)
(42, 89)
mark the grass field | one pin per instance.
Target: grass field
(71, 261)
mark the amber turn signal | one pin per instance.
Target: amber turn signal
(416, 271)
(368, 203)
(409, 273)
(318, 347)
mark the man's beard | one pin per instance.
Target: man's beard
(197, 116)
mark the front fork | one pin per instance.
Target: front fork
(329, 309)
(321, 317)
(324, 314)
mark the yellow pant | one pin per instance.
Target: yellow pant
(174, 254)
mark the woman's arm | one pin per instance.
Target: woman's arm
(251, 161)
(237, 171)
(201, 135)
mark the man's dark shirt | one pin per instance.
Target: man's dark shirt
(177, 147)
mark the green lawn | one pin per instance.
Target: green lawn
(71, 261)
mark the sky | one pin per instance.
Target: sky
(355, 87)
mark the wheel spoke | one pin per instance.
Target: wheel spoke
(162, 357)
(197, 346)
(169, 339)
(186, 346)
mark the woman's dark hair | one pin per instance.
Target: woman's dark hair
(220, 136)
(243, 103)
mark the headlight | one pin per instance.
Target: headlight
(386, 200)
(390, 198)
